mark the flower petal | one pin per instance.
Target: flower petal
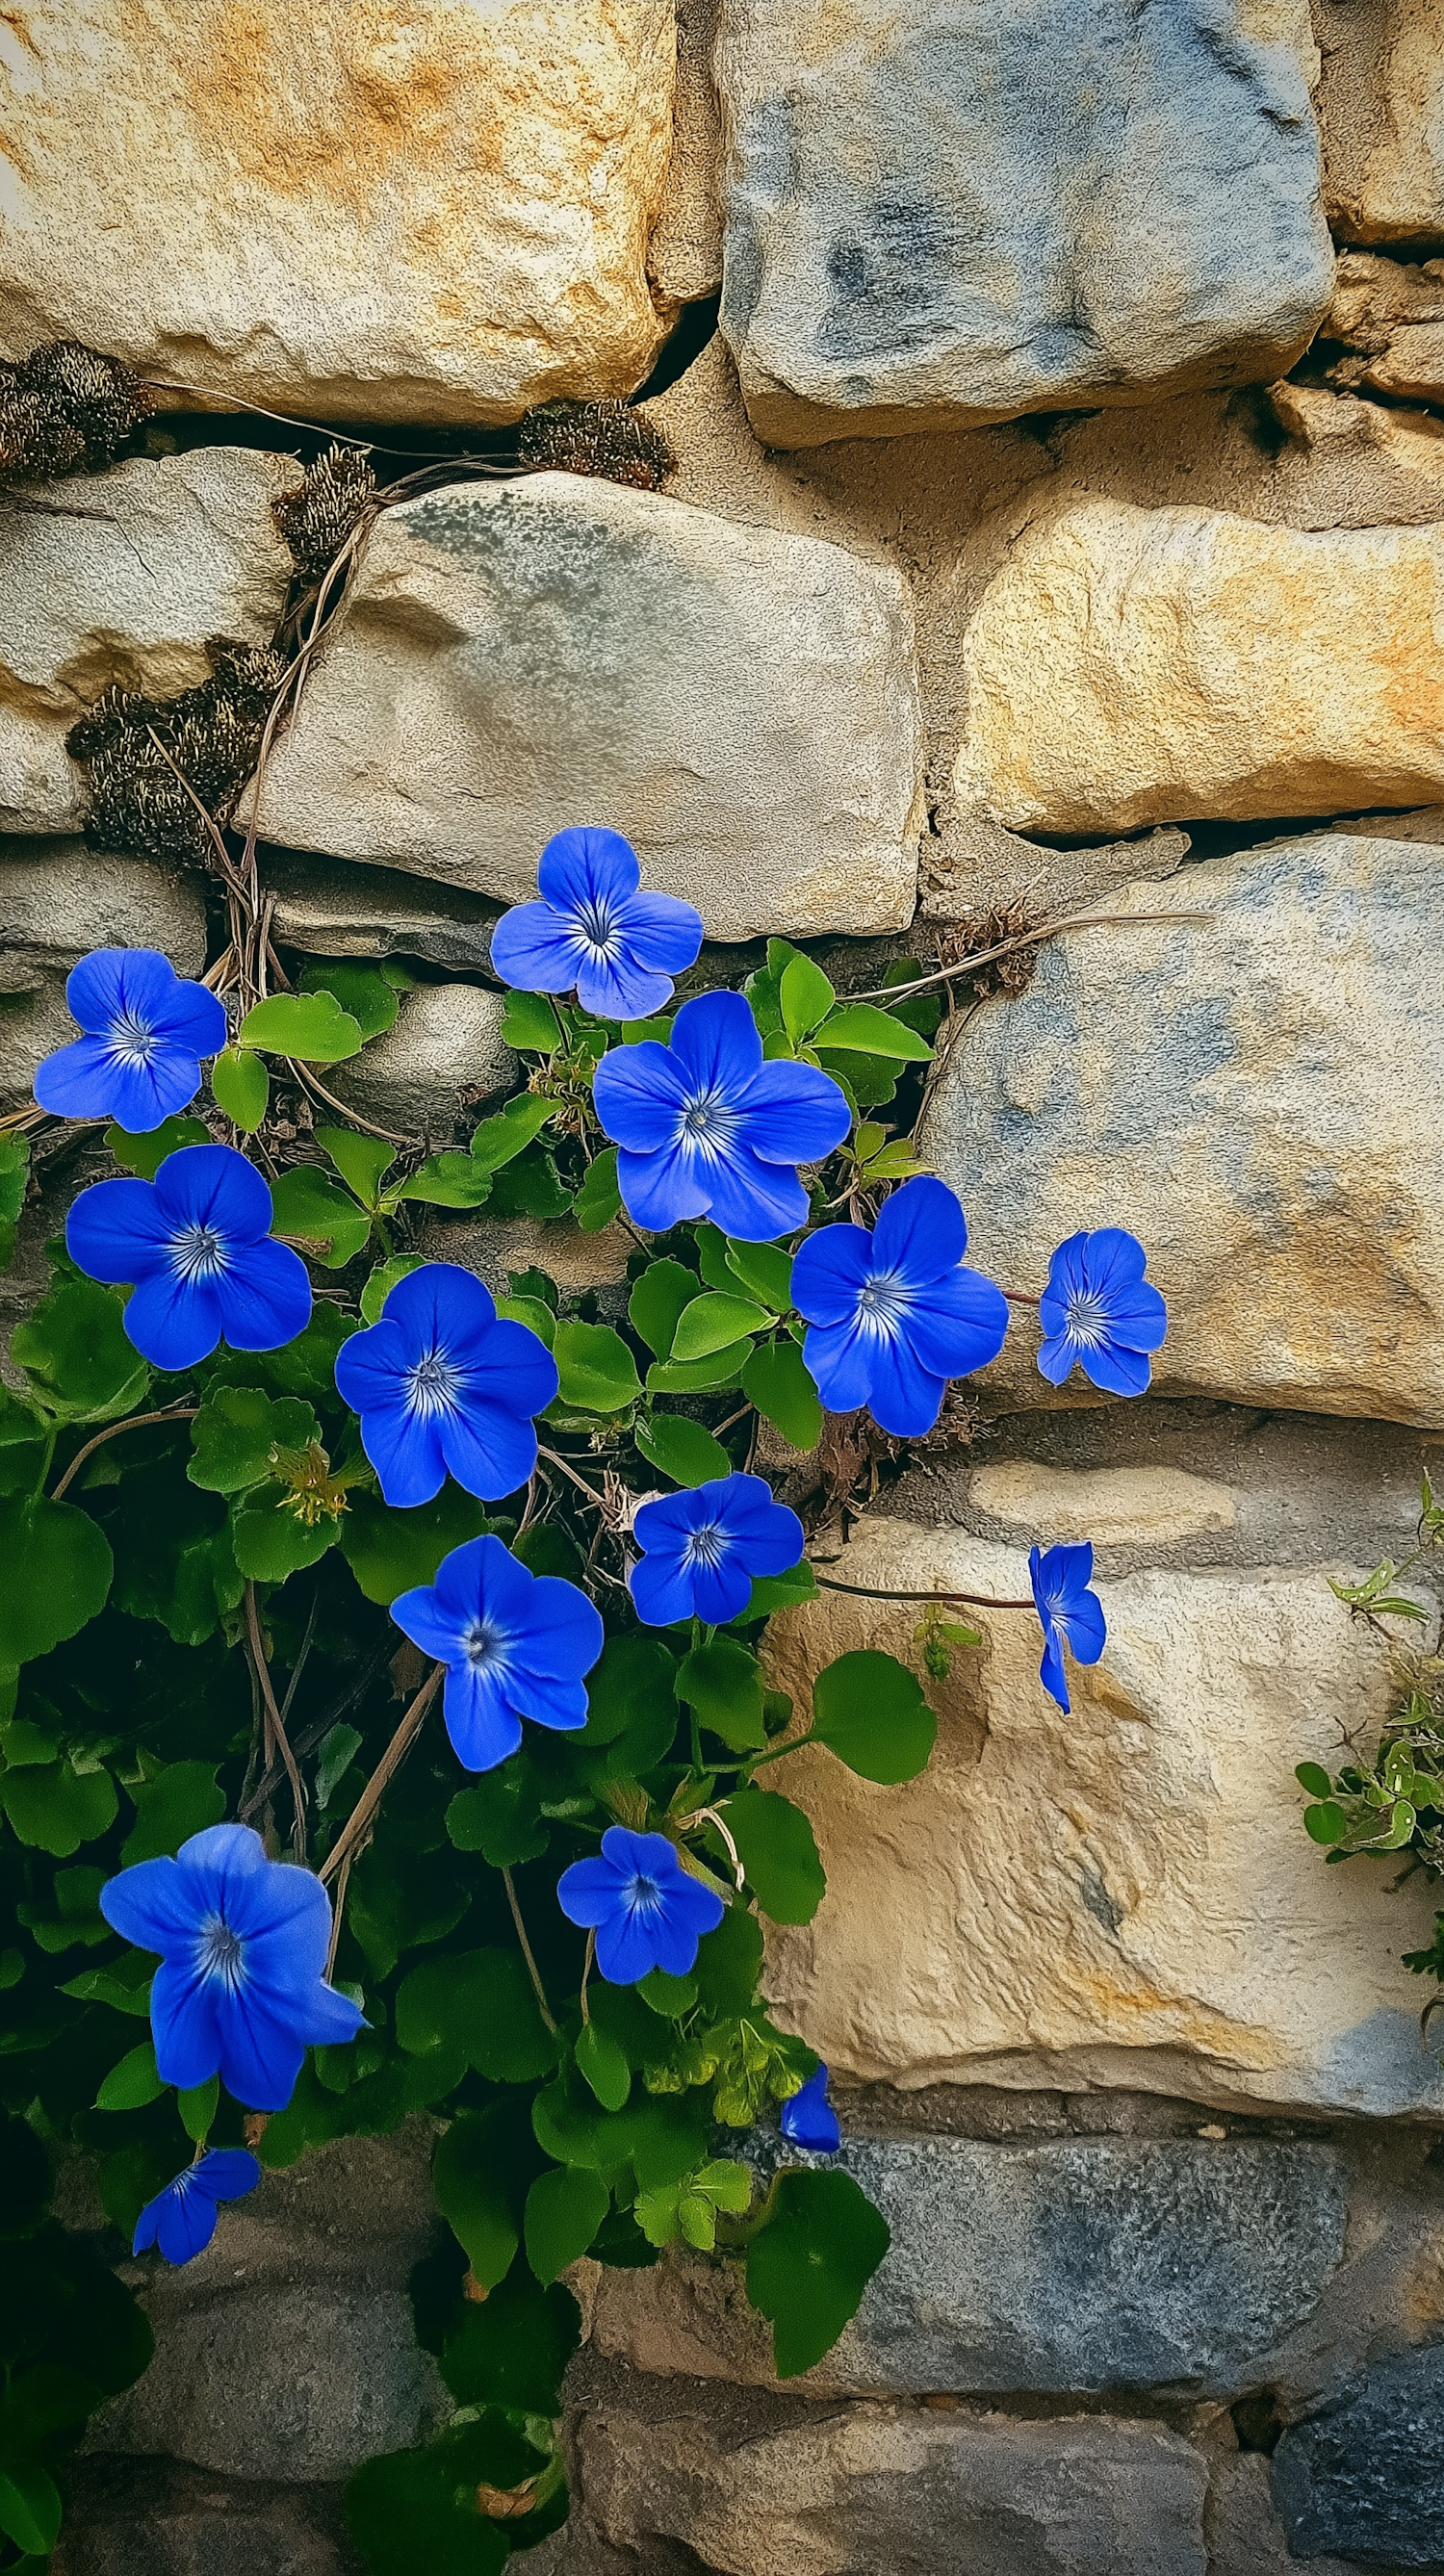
(794, 1113)
(906, 1398)
(719, 1592)
(1051, 1673)
(627, 1947)
(839, 1358)
(489, 1450)
(438, 1304)
(403, 1447)
(371, 1366)
(1138, 1317)
(660, 1190)
(89, 1080)
(1114, 1367)
(564, 1633)
(422, 1616)
(617, 986)
(152, 1904)
(828, 1271)
(548, 1701)
(639, 1093)
(173, 1322)
(228, 2173)
(186, 2222)
(956, 1324)
(507, 1365)
(752, 1201)
(264, 1295)
(587, 864)
(590, 1891)
(920, 1230)
(116, 983)
(184, 2025)
(483, 1729)
(261, 2054)
(661, 1589)
(537, 950)
(116, 1230)
(716, 1044)
(1084, 1626)
(662, 932)
(213, 1185)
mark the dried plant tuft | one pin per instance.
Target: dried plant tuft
(1007, 978)
(66, 406)
(602, 438)
(317, 518)
(211, 732)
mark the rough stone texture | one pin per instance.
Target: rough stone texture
(685, 258)
(520, 656)
(1381, 107)
(1157, 1504)
(374, 211)
(306, 2281)
(128, 2518)
(943, 216)
(493, 1246)
(329, 910)
(1366, 2478)
(1390, 317)
(1244, 2534)
(1123, 1895)
(57, 899)
(876, 2490)
(1340, 429)
(1133, 666)
(446, 1039)
(171, 552)
(1242, 1092)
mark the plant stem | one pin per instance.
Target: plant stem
(1008, 947)
(526, 1951)
(974, 1600)
(133, 1422)
(358, 1822)
(579, 1481)
(586, 1972)
(275, 1724)
(337, 1910)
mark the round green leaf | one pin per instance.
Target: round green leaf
(861, 1028)
(242, 1087)
(359, 985)
(197, 2107)
(599, 1199)
(235, 1431)
(145, 1154)
(182, 1800)
(564, 2208)
(598, 1373)
(29, 2505)
(410, 2511)
(391, 1551)
(514, 2348)
(778, 1852)
(723, 1683)
(480, 2005)
(271, 1542)
(475, 2176)
(603, 2062)
(381, 1282)
(809, 2266)
(310, 1026)
(133, 2083)
(74, 1350)
(311, 1208)
(713, 1322)
(870, 1711)
(1313, 1777)
(58, 1567)
(658, 1297)
(1327, 1823)
(682, 1449)
(778, 1381)
(804, 996)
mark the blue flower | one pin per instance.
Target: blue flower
(701, 1548)
(647, 1911)
(515, 1644)
(145, 1034)
(808, 2118)
(1067, 1610)
(240, 1991)
(441, 1382)
(196, 1242)
(707, 1129)
(894, 1314)
(182, 2218)
(1099, 1310)
(593, 930)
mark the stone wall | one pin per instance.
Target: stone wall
(1057, 519)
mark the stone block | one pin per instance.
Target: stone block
(1365, 2478)
(1242, 1091)
(329, 910)
(873, 2490)
(741, 703)
(1381, 108)
(398, 212)
(161, 555)
(1124, 1895)
(446, 1040)
(148, 2518)
(57, 900)
(1390, 317)
(939, 216)
(1130, 666)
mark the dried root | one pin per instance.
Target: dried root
(63, 407)
(603, 438)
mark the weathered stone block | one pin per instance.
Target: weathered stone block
(1242, 1091)
(1131, 666)
(939, 216)
(1124, 1895)
(1366, 2477)
(517, 657)
(446, 1039)
(165, 555)
(1381, 106)
(57, 899)
(329, 910)
(386, 213)
(1390, 317)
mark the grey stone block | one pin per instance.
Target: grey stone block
(153, 2518)
(1365, 2478)
(326, 909)
(446, 1038)
(946, 212)
(57, 900)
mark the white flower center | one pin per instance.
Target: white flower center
(595, 922)
(1087, 1319)
(882, 1300)
(197, 1252)
(129, 1040)
(433, 1384)
(707, 1123)
(707, 1545)
(222, 1952)
(483, 1643)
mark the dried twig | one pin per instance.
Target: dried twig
(1008, 947)
(526, 1951)
(358, 1823)
(132, 1422)
(278, 1741)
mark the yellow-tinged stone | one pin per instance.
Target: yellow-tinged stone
(1382, 112)
(431, 210)
(1112, 1506)
(1133, 666)
(1124, 1895)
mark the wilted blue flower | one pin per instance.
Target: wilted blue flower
(1099, 1310)
(196, 1242)
(515, 1644)
(647, 1911)
(182, 2218)
(145, 1034)
(894, 1314)
(442, 1382)
(808, 2118)
(593, 930)
(240, 1990)
(1066, 1609)
(701, 1549)
(706, 1128)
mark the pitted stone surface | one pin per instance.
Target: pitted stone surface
(361, 209)
(1381, 106)
(446, 1038)
(1242, 1091)
(939, 216)
(1366, 2477)
(57, 900)
(741, 703)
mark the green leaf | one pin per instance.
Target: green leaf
(133, 2083)
(449, 1180)
(73, 1349)
(29, 2505)
(529, 1024)
(309, 1026)
(713, 1322)
(538, 1318)
(362, 1161)
(688, 2208)
(110, 1986)
(625, 1687)
(805, 996)
(361, 988)
(870, 1711)
(1327, 1823)
(241, 1087)
(57, 1570)
(475, 2178)
(861, 1028)
(145, 1154)
(682, 1449)
(416, 2513)
(778, 1381)
(311, 1208)
(180, 1801)
(197, 2107)
(779, 1592)
(658, 1298)
(809, 2266)
(598, 1372)
(723, 1683)
(14, 1181)
(599, 1199)
(778, 1852)
(1313, 1777)
(500, 1139)
(271, 1542)
(698, 1377)
(729, 1963)
(235, 1431)
(514, 2348)
(382, 1280)
(668, 1995)
(479, 2005)
(606, 2070)
(564, 2208)
(499, 1816)
(764, 1271)
(391, 1551)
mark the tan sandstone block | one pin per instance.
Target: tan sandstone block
(1110, 1505)
(1124, 1895)
(367, 209)
(1381, 108)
